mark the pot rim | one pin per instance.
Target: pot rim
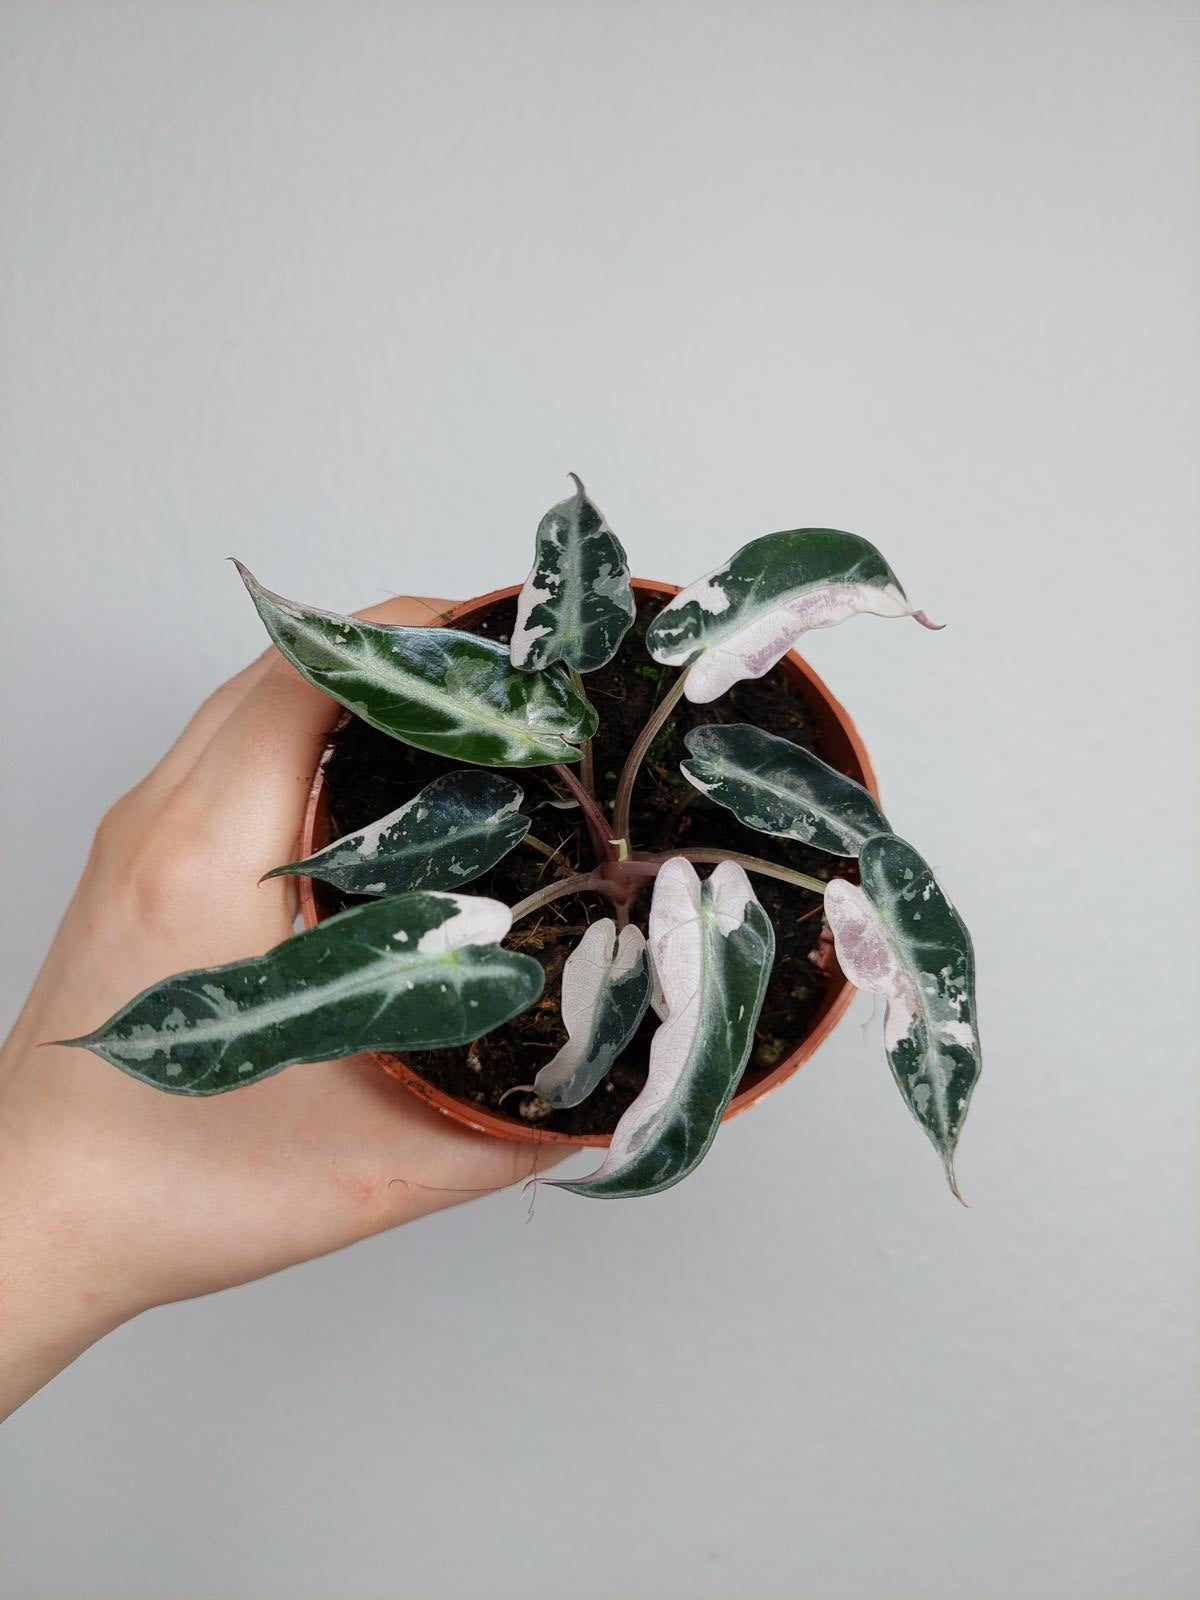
(839, 991)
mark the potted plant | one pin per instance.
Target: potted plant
(598, 989)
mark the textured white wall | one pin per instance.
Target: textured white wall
(346, 289)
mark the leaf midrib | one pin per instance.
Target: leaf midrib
(346, 987)
(439, 699)
(432, 845)
(816, 807)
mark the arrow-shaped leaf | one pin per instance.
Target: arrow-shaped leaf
(900, 937)
(455, 694)
(712, 947)
(456, 828)
(741, 619)
(777, 787)
(605, 992)
(577, 604)
(418, 972)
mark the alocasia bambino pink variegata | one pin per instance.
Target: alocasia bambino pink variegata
(420, 966)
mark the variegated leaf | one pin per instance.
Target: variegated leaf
(456, 828)
(605, 992)
(900, 937)
(455, 694)
(577, 604)
(741, 619)
(779, 788)
(418, 972)
(712, 947)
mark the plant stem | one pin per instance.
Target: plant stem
(634, 760)
(646, 864)
(586, 770)
(582, 883)
(598, 824)
(608, 880)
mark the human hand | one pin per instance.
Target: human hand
(115, 1196)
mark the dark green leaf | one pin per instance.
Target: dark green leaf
(452, 693)
(456, 828)
(779, 788)
(419, 972)
(577, 604)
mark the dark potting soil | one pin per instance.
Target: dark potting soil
(370, 774)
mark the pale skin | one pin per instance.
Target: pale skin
(116, 1197)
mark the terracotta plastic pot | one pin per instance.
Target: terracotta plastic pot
(841, 745)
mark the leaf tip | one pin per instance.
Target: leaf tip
(934, 627)
(253, 588)
(578, 482)
(952, 1180)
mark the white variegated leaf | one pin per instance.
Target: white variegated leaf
(455, 829)
(417, 972)
(741, 619)
(712, 946)
(605, 992)
(455, 694)
(780, 788)
(900, 937)
(577, 603)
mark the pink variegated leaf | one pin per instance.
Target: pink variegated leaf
(605, 992)
(712, 947)
(741, 619)
(898, 935)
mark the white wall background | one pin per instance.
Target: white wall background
(347, 288)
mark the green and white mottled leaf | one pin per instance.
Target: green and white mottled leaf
(712, 946)
(605, 992)
(456, 828)
(779, 788)
(418, 972)
(455, 694)
(741, 619)
(577, 604)
(900, 937)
